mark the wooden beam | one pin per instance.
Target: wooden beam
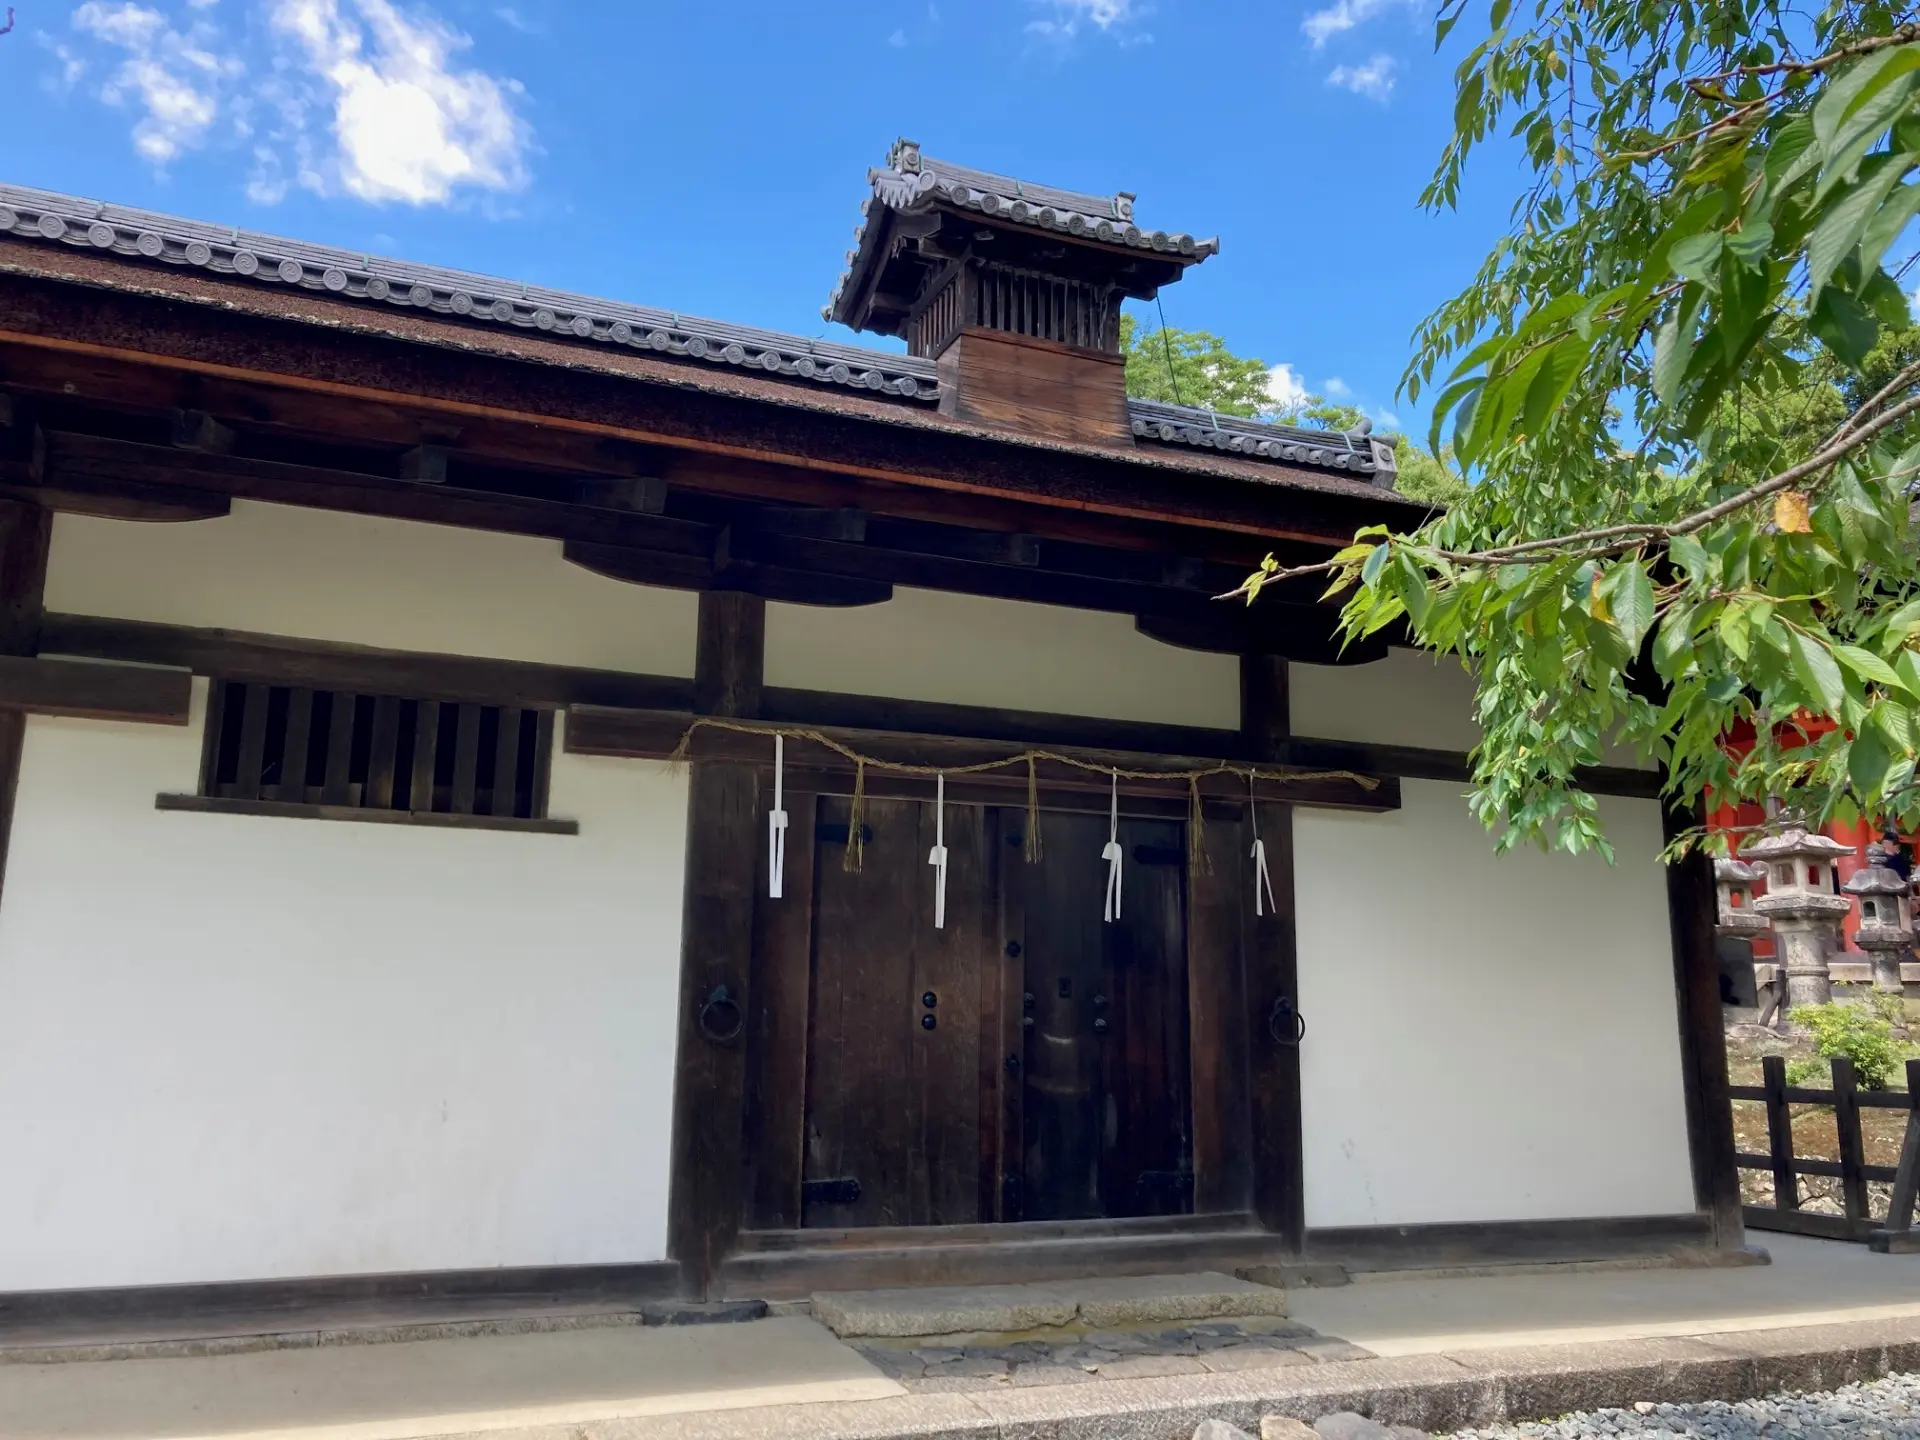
(94, 690)
(1692, 915)
(705, 1198)
(363, 669)
(639, 734)
(439, 371)
(1304, 633)
(25, 533)
(1273, 970)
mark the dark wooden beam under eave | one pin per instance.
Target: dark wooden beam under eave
(1692, 913)
(25, 533)
(705, 1200)
(1273, 1038)
(94, 690)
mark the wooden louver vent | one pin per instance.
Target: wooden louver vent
(290, 745)
(1020, 302)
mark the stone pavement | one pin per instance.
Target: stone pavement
(1453, 1353)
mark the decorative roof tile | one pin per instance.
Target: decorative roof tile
(350, 275)
(911, 181)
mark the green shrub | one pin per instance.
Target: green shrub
(1860, 1032)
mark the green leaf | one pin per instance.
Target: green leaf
(1843, 323)
(1868, 666)
(1839, 231)
(1867, 760)
(1736, 627)
(1629, 597)
(1885, 227)
(1814, 666)
(1907, 666)
(1696, 256)
(1551, 383)
(1673, 348)
(1690, 555)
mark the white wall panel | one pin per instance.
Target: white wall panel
(974, 650)
(368, 580)
(236, 1047)
(1489, 1037)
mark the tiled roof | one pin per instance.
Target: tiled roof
(911, 181)
(350, 275)
(1189, 425)
(144, 236)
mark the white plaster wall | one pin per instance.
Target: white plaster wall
(368, 580)
(1490, 1037)
(1409, 698)
(975, 650)
(235, 1047)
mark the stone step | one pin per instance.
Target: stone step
(1105, 1303)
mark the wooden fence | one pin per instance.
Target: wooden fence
(1892, 1231)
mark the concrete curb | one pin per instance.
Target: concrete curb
(1438, 1393)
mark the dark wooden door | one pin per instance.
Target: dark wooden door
(1107, 1096)
(893, 1129)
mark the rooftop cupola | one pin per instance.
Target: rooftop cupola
(1013, 288)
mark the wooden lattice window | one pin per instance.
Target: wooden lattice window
(333, 754)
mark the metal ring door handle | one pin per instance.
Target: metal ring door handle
(1285, 1023)
(721, 1018)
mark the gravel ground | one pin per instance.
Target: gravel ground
(1887, 1409)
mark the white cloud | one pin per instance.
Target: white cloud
(514, 20)
(1286, 389)
(1337, 388)
(174, 77)
(355, 97)
(407, 124)
(1341, 16)
(1069, 17)
(1386, 419)
(1375, 79)
(898, 40)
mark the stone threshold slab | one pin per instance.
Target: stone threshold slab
(1437, 1393)
(1107, 1303)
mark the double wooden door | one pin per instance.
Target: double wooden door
(1025, 1061)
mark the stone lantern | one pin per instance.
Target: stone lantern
(1733, 880)
(1801, 905)
(1886, 918)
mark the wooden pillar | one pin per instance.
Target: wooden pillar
(1692, 915)
(723, 839)
(24, 534)
(1272, 970)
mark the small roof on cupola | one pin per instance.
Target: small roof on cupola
(926, 213)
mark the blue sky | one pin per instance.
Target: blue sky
(710, 157)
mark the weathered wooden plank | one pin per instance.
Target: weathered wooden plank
(247, 778)
(336, 790)
(724, 835)
(1272, 975)
(426, 756)
(94, 690)
(542, 759)
(466, 760)
(1786, 1189)
(1217, 1009)
(1009, 1201)
(383, 755)
(297, 810)
(1691, 912)
(782, 1003)
(953, 965)
(1846, 1120)
(293, 753)
(506, 763)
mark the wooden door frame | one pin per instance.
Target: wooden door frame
(733, 1158)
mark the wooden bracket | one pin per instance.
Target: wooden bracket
(197, 430)
(95, 689)
(426, 464)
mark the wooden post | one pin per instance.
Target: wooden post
(1853, 1155)
(25, 531)
(1786, 1186)
(1692, 914)
(1272, 970)
(1898, 1238)
(716, 956)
